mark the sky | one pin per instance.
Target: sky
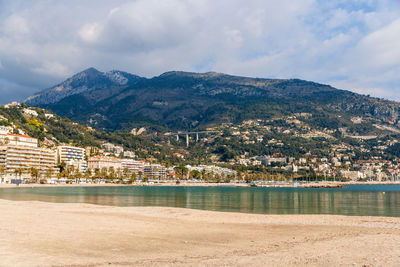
(352, 45)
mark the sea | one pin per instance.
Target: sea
(353, 200)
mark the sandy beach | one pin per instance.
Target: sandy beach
(52, 234)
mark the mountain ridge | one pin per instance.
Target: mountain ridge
(188, 100)
(84, 81)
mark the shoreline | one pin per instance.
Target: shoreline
(59, 234)
(321, 184)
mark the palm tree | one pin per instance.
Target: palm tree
(181, 171)
(195, 174)
(104, 172)
(49, 172)
(2, 171)
(96, 172)
(145, 179)
(133, 177)
(70, 172)
(206, 177)
(218, 178)
(18, 172)
(125, 172)
(203, 174)
(34, 174)
(88, 174)
(111, 173)
(62, 166)
(77, 174)
(119, 175)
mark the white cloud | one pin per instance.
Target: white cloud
(51, 68)
(15, 25)
(382, 46)
(90, 32)
(351, 45)
(142, 25)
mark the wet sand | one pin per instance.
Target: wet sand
(53, 234)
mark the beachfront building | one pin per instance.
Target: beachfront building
(100, 162)
(155, 171)
(133, 166)
(7, 138)
(212, 169)
(20, 159)
(72, 156)
(19, 154)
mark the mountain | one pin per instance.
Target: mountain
(185, 101)
(85, 81)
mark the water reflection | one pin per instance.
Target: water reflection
(369, 200)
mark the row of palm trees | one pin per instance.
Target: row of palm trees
(113, 175)
(109, 174)
(182, 172)
(32, 171)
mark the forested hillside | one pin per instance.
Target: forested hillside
(187, 101)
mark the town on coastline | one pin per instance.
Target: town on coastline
(25, 159)
(22, 160)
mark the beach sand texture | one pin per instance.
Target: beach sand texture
(52, 234)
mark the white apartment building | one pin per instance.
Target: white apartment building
(7, 138)
(25, 157)
(72, 156)
(135, 166)
(22, 152)
(113, 148)
(155, 171)
(212, 169)
(99, 162)
(30, 112)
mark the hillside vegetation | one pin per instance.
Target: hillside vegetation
(187, 101)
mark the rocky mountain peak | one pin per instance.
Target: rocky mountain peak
(85, 81)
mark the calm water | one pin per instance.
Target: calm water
(364, 200)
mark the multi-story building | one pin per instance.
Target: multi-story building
(7, 138)
(117, 150)
(99, 162)
(135, 166)
(212, 169)
(129, 154)
(72, 156)
(21, 152)
(24, 158)
(155, 171)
